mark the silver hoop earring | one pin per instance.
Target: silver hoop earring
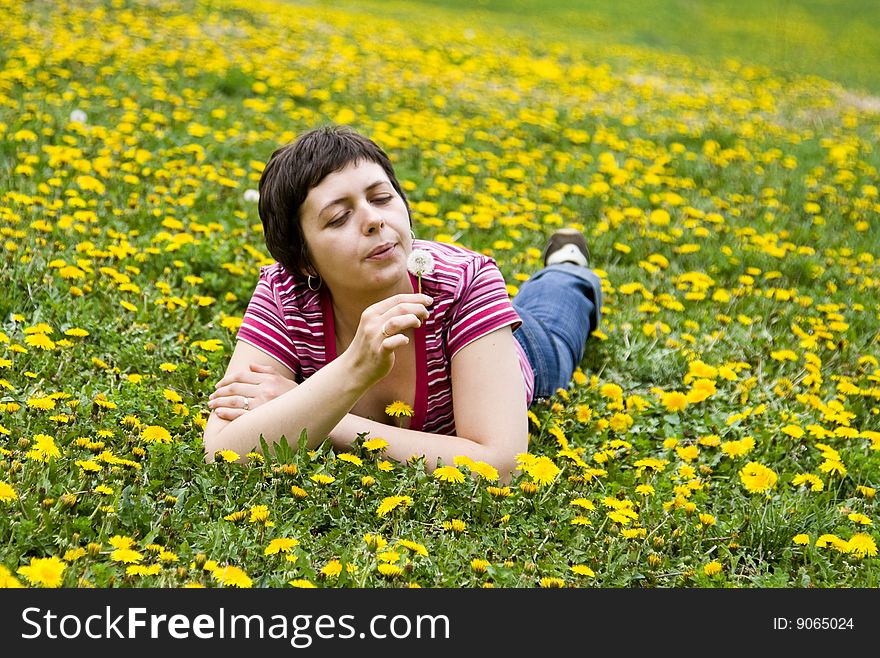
(309, 282)
(412, 234)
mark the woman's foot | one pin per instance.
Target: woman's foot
(567, 245)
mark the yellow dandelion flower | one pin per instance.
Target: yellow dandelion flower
(687, 453)
(542, 470)
(528, 487)
(583, 570)
(7, 580)
(323, 479)
(757, 478)
(860, 519)
(456, 525)
(280, 545)
(44, 572)
(862, 545)
(833, 467)
(674, 400)
(375, 444)
(611, 391)
(867, 492)
(712, 569)
(120, 541)
(389, 570)
(7, 493)
(814, 481)
(801, 539)
(449, 474)
(738, 448)
(374, 541)
(155, 434)
(259, 514)
(479, 565)
(583, 413)
(351, 459)
(793, 431)
(301, 583)
(230, 576)
(485, 471)
(551, 582)
(415, 547)
(391, 503)
(126, 555)
(41, 403)
(227, 456)
(397, 409)
(833, 541)
(620, 422)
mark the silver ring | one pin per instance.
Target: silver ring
(247, 404)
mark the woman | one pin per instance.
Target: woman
(337, 329)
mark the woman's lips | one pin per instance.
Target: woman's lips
(382, 252)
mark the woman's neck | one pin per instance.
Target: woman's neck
(349, 306)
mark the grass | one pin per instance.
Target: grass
(839, 41)
(720, 431)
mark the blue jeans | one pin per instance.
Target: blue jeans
(560, 306)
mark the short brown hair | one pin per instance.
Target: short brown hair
(296, 168)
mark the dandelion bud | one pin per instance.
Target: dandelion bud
(200, 560)
(93, 549)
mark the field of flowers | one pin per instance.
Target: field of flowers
(724, 427)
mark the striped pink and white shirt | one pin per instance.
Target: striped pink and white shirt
(295, 325)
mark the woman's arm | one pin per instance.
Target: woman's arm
(489, 401)
(321, 401)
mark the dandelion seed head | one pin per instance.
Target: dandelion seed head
(420, 262)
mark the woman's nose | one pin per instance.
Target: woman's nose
(373, 220)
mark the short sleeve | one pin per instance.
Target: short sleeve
(264, 325)
(483, 305)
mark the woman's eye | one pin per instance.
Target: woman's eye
(336, 221)
(382, 199)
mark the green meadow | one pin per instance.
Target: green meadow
(722, 430)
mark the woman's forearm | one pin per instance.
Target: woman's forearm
(317, 405)
(404, 444)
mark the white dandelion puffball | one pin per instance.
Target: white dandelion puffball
(78, 116)
(420, 262)
(251, 196)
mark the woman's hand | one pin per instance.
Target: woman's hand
(382, 330)
(242, 391)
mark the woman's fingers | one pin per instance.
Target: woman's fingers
(237, 401)
(228, 413)
(242, 376)
(259, 367)
(385, 305)
(400, 323)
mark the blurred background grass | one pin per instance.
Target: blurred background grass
(835, 39)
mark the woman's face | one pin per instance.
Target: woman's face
(357, 229)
